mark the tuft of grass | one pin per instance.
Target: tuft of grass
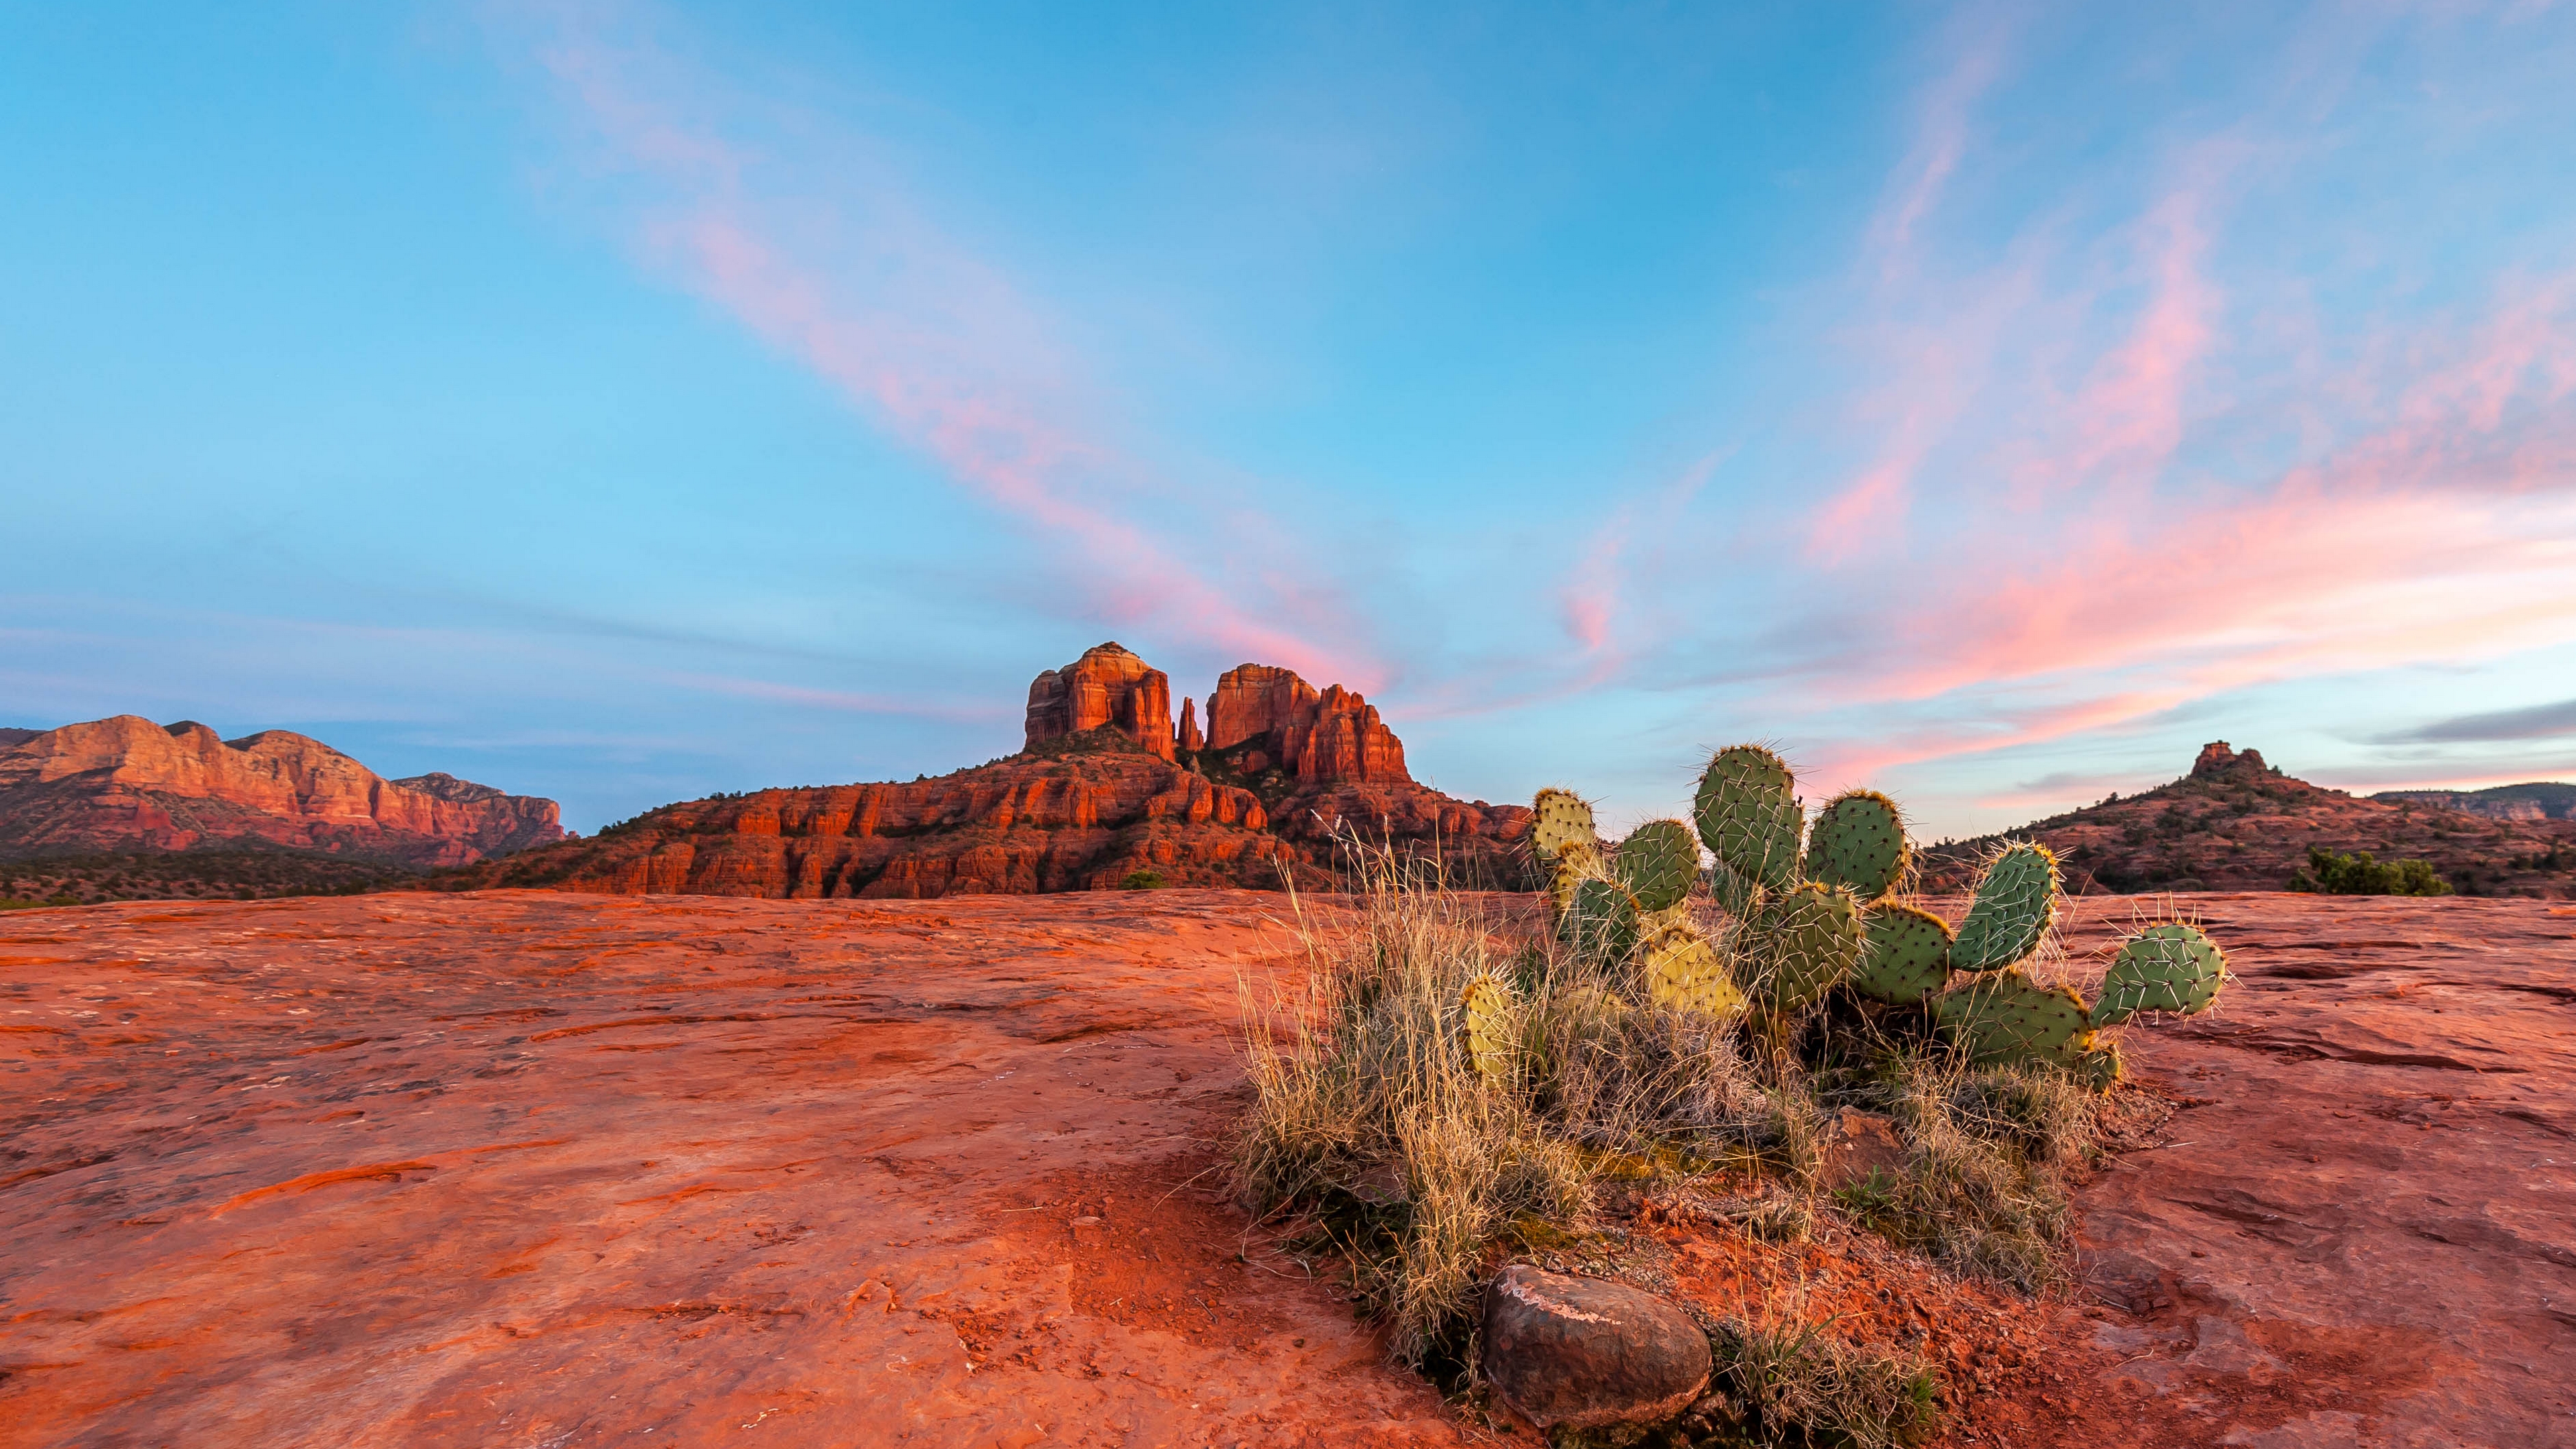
(1805, 1385)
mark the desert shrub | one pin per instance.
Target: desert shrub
(1370, 1116)
(1805, 1385)
(1141, 880)
(2361, 874)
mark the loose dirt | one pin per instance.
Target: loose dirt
(521, 1168)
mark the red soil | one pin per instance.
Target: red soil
(541, 1169)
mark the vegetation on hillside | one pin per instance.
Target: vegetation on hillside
(2359, 874)
(86, 879)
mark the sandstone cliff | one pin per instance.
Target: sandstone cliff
(2236, 823)
(1105, 793)
(126, 783)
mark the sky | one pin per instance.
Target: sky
(626, 402)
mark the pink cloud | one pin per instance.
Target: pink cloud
(929, 341)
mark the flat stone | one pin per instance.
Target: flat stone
(1858, 1144)
(1584, 1353)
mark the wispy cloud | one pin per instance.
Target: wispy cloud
(824, 250)
(2537, 722)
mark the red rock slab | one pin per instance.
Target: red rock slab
(2362, 1228)
(539, 1169)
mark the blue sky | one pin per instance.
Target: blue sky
(622, 403)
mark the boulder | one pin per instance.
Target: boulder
(1584, 1353)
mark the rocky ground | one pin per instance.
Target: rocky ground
(539, 1169)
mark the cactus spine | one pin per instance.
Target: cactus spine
(1808, 940)
(1601, 923)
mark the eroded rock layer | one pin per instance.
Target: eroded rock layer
(125, 783)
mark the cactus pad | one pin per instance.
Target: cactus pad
(1908, 957)
(1858, 840)
(1685, 973)
(1487, 1005)
(1737, 896)
(1574, 865)
(1559, 818)
(2172, 967)
(2008, 1019)
(1658, 863)
(1601, 923)
(1748, 817)
(2100, 1067)
(2016, 899)
(1811, 938)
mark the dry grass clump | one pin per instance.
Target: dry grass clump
(1370, 1116)
(1987, 1185)
(1807, 1386)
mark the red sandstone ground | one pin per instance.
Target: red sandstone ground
(539, 1169)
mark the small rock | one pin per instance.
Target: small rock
(1585, 1353)
(1858, 1144)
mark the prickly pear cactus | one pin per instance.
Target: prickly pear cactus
(2100, 1066)
(1805, 942)
(1658, 863)
(2016, 900)
(1908, 957)
(1684, 972)
(2007, 1019)
(1601, 923)
(1487, 1005)
(1858, 840)
(2171, 967)
(1748, 816)
(1559, 819)
(1575, 864)
(1737, 896)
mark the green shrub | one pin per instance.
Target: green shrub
(1142, 880)
(2360, 874)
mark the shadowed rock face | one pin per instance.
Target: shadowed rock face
(126, 783)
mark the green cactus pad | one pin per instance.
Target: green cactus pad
(1737, 896)
(1685, 973)
(2172, 967)
(1858, 840)
(2007, 1019)
(1908, 957)
(1487, 1005)
(1558, 819)
(2016, 899)
(1601, 923)
(1748, 816)
(1658, 863)
(2100, 1067)
(1810, 939)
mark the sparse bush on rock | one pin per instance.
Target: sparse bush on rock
(2360, 874)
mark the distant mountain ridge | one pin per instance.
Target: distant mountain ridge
(2536, 800)
(2236, 823)
(1105, 791)
(127, 784)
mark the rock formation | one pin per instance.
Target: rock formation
(1106, 686)
(1104, 794)
(1587, 1353)
(126, 783)
(2236, 823)
(1265, 717)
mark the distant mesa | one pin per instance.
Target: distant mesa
(127, 784)
(1106, 791)
(2236, 823)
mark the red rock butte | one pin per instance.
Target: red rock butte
(125, 783)
(1105, 792)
